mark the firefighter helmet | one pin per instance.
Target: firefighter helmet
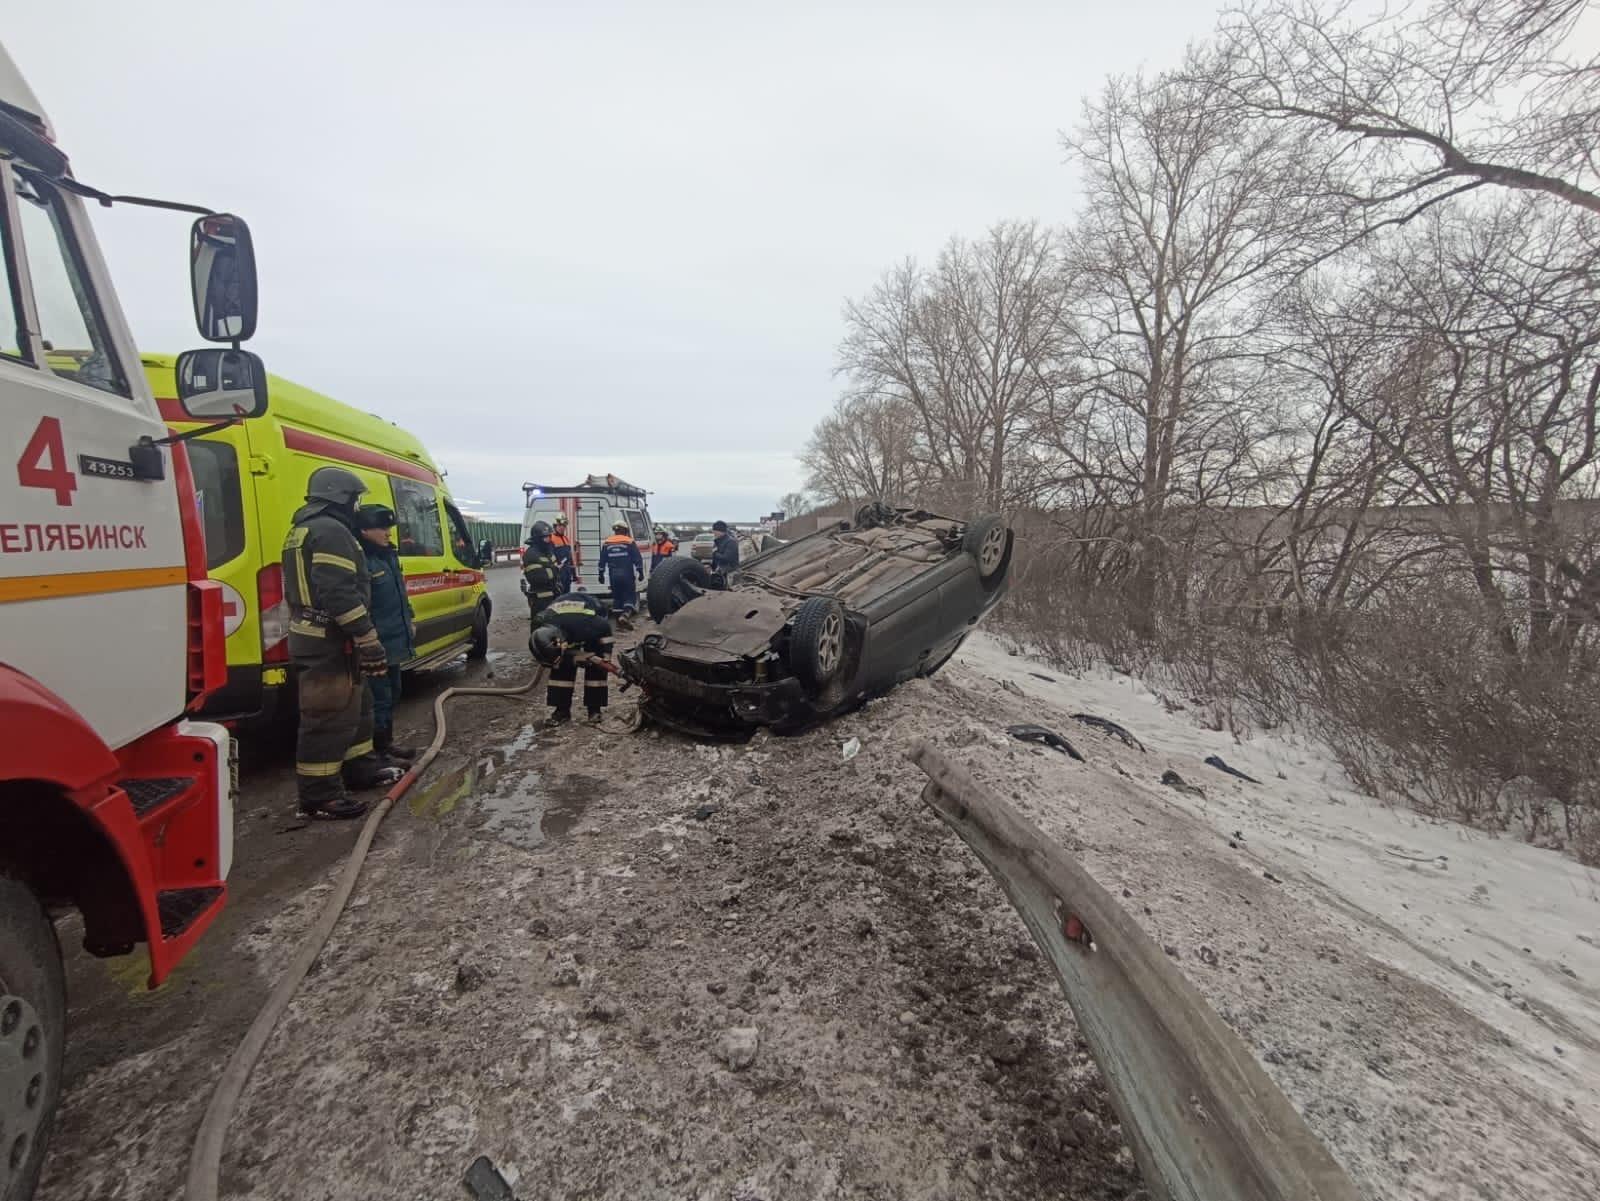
(335, 484)
(545, 643)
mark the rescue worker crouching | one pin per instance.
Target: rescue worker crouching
(394, 620)
(663, 549)
(333, 644)
(621, 558)
(724, 548)
(561, 550)
(573, 624)
(541, 574)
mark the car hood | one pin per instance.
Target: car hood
(724, 625)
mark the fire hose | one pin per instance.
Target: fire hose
(205, 1159)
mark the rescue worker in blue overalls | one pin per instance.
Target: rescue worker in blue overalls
(394, 621)
(569, 627)
(561, 551)
(620, 556)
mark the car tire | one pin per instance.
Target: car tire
(988, 541)
(816, 641)
(674, 584)
(480, 633)
(33, 1010)
(872, 515)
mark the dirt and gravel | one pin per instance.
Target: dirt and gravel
(628, 965)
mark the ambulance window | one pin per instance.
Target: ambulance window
(417, 516)
(460, 536)
(637, 523)
(75, 340)
(216, 490)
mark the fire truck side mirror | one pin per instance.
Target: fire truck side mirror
(222, 276)
(221, 385)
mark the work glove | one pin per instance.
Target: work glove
(371, 658)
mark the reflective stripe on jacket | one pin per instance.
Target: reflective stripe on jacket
(325, 582)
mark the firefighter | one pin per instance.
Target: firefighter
(663, 550)
(333, 644)
(395, 623)
(561, 549)
(620, 556)
(724, 548)
(573, 624)
(541, 577)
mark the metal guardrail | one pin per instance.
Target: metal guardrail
(1205, 1122)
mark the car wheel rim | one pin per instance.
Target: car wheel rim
(685, 593)
(992, 550)
(22, 1083)
(830, 644)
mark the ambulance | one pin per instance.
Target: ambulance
(591, 509)
(250, 478)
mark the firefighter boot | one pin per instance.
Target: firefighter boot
(383, 742)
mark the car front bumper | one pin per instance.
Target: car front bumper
(701, 704)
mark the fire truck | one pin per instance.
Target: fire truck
(113, 802)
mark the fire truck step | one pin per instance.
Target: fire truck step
(180, 906)
(146, 793)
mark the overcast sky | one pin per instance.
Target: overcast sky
(551, 239)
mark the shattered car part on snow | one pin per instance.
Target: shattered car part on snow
(812, 628)
(1204, 1120)
(1216, 762)
(1045, 737)
(1106, 726)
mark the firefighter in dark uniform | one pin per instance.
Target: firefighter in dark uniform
(663, 550)
(561, 548)
(395, 622)
(333, 645)
(724, 548)
(573, 624)
(541, 575)
(620, 556)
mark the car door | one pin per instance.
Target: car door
(420, 542)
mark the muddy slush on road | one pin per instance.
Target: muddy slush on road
(642, 966)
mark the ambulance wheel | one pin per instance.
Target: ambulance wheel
(674, 584)
(33, 1023)
(816, 641)
(480, 632)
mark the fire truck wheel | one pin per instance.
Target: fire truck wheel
(33, 1014)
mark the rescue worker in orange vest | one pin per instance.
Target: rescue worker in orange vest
(561, 551)
(663, 550)
(620, 556)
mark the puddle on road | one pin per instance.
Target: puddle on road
(523, 808)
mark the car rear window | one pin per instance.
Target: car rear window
(215, 467)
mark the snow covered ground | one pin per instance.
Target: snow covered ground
(1508, 932)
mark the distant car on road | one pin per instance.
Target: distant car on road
(702, 546)
(811, 628)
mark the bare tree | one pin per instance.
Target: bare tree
(862, 450)
(1428, 105)
(971, 350)
(1193, 217)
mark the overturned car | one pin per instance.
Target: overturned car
(815, 626)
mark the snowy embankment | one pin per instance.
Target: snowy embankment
(1505, 935)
